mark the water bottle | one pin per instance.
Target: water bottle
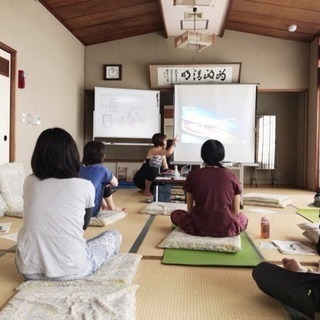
(317, 199)
(176, 172)
(265, 228)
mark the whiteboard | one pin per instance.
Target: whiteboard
(126, 113)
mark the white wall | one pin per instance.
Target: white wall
(276, 65)
(53, 60)
(273, 63)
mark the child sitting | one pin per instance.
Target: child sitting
(102, 178)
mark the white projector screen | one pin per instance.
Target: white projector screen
(224, 112)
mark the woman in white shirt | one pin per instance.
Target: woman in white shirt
(57, 209)
(156, 159)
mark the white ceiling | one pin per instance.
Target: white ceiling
(173, 14)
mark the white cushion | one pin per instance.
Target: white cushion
(164, 208)
(106, 217)
(14, 213)
(178, 239)
(3, 206)
(11, 187)
(106, 294)
(266, 200)
(311, 231)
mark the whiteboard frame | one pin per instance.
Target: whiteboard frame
(132, 119)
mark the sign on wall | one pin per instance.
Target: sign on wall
(165, 76)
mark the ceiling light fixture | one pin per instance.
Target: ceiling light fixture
(192, 2)
(193, 40)
(292, 28)
(188, 24)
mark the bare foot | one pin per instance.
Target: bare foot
(148, 194)
(104, 205)
(293, 265)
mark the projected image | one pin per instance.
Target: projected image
(224, 112)
(199, 124)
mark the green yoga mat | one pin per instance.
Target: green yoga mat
(312, 214)
(247, 257)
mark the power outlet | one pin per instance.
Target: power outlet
(37, 120)
(23, 117)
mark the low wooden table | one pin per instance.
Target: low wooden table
(166, 180)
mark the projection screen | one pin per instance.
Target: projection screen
(224, 112)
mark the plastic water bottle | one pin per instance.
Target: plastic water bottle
(265, 228)
(317, 199)
(176, 172)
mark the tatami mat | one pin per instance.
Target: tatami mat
(175, 292)
(16, 224)
(300, 198)
(283, 226)
(130, 226)
(9, 278)
(185, 292)
(159, 229)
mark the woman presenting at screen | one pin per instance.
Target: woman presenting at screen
(213, 198)
(156, 159)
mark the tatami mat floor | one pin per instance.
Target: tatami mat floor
(184, 292)
(192, 293)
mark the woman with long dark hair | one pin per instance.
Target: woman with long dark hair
(57, 209)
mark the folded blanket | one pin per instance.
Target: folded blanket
(266, 200)
(106, 217)
(107, 294)
(165, 208)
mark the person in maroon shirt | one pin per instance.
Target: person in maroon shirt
(213, 198)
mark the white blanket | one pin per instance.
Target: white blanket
(164, 208)
(107, 294)
(266, 200)
(106, 217)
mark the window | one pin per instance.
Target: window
(266, 142)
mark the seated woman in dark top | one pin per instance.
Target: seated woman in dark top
(213, 198)
(156, 159)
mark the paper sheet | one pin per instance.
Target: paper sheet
(261, 210)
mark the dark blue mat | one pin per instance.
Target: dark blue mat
(126, 185)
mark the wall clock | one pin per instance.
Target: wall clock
(112, 71)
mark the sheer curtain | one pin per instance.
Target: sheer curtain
(266, 142)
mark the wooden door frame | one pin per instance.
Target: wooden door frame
(13, 56)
